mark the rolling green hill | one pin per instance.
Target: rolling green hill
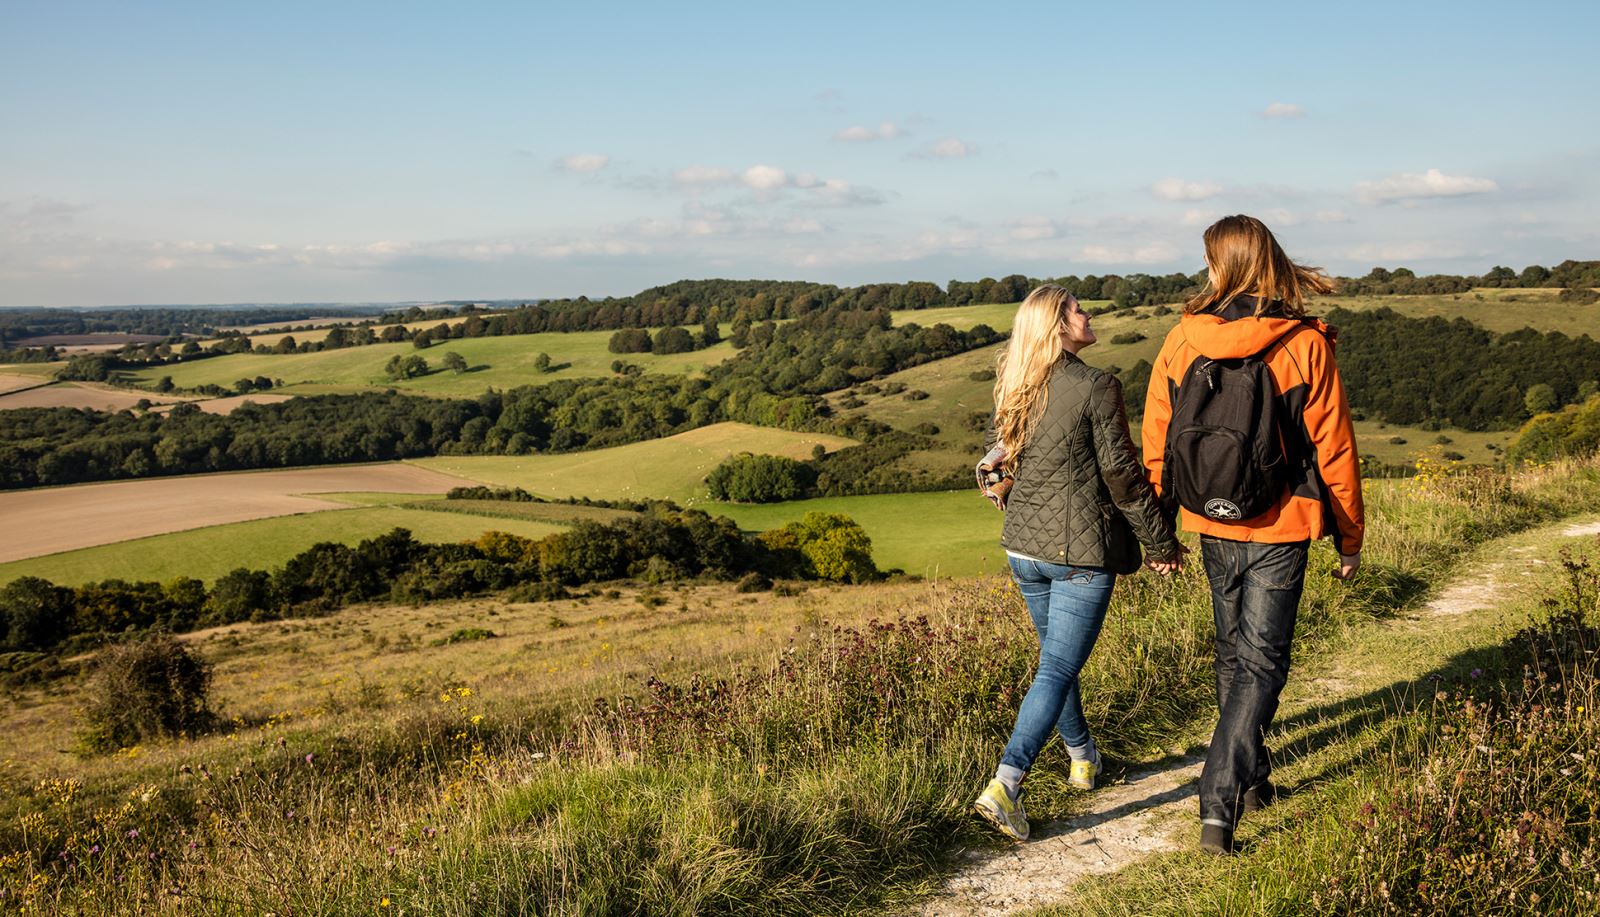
(673, 468)
(500, 362)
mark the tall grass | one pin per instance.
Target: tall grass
(1478, 795)
(833, 776)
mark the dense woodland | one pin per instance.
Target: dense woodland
(1452, 372)
(663, 544)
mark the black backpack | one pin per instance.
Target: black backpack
(1224, 456)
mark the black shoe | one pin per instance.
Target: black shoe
(1258, 797)
(1216, 840)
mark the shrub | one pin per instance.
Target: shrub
(925, 429)
(761, 479)
(538, 591)
(893, 388)
(35, 614)
(151, 688)
(834, 547)
(1397, 440)
(466, 635)
(753, 582)
(629, 340)
(916, 395)
(981, 375)
(1127, 337)
(1161, 310)
(672, 340)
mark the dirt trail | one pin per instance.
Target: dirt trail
(1154, 810)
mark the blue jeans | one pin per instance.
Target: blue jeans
(1068, 605)
(1255, 595)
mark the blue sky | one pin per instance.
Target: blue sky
(167, 152)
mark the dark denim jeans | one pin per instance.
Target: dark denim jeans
(1068, 605)
(1255, 595)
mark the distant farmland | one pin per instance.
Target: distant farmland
(499, 362)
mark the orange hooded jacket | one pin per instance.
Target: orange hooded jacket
(1324, 493)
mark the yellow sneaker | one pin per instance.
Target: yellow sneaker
(1005, 813)
(1083, 773)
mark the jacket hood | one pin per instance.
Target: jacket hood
(1220, 339)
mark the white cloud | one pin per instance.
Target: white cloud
(857, 133)
(765, 178)
(1282, 110)
(1176, 189)
(948, 148)
(1411, 186)
(1045, 175)
(583, 162)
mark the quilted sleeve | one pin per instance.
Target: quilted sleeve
(1122, 473)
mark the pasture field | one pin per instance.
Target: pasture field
(38, 372)
(53, 519)
(207, 553)
(1499, 310)
(258, 335)
(935, 535)
(996, 315)
(672, 468)
(499, 362)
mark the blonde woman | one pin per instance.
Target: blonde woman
(1077, 511)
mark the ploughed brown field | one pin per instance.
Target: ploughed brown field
(10, 382)
(52, 519)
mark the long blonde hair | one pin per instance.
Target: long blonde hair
(1022, 374)
(1246, 260)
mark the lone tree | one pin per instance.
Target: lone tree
(1540, 398)
(153, 688)
(542, 362)
(454, 362)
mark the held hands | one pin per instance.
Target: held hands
(1348, 565)
(1171, 565)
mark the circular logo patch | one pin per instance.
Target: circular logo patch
(1221, 509)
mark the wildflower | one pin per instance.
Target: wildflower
(383, 903)
(94, 850)
(309, 756)
(1475, 674)
(133, 833)
(477, 718)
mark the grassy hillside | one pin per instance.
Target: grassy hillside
(832, 773)
(1495, 309)
(501, 362)
(673, 468)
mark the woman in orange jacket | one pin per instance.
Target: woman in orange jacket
(1247, 429)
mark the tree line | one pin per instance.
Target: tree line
(167, 321)
(663, 543)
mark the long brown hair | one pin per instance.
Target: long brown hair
(1245, 260)
(1022, 374)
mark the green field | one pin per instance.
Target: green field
(673, 468)
(500, 362)
(1495, 309)
(996, 315)
(208, 553)
(956, 533)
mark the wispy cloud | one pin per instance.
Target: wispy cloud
(1030, 229)
(1413, 186)
(1177, 189)
(583, 162)
(859, 133)
(1283, 110)
(948, 148)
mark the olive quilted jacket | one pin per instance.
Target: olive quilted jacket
(1081, 496)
